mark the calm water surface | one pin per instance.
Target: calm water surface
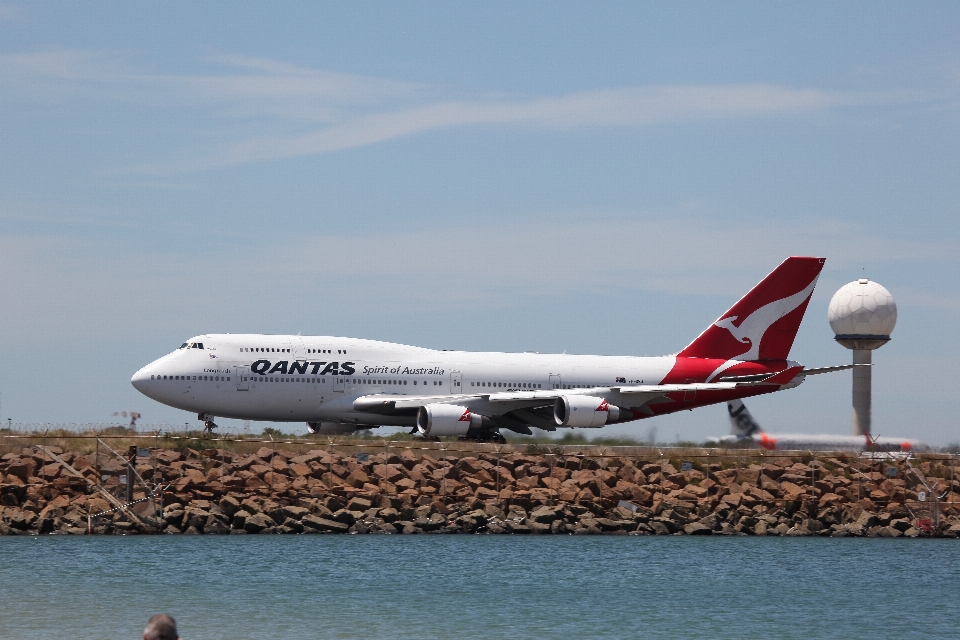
(479, 587)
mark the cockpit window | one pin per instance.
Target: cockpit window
(198, 345)
(183, 346)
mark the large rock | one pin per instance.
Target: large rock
(389, 514)
(323, 524)
(346, 516)
(544, 515)
(867, 520)
(697, 529)
(257, 523)
(293, 526)
(173, 516)
(359, 504)
(229, 505)
(195, 518)
(240, 519)
(608, 525)
(21, 469)
(537, 527)
(216, 525)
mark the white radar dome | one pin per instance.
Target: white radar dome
(862, 312)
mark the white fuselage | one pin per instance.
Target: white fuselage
(294, 378)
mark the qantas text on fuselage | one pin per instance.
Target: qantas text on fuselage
(341, 384)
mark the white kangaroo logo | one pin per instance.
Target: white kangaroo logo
(753, 327)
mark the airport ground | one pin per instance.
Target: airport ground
(192, 483)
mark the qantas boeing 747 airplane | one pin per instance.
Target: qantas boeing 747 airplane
(338, 385)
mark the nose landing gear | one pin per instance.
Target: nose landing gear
(208, 424)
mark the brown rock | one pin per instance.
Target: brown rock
(276, 481)
(527, 482)
(357, 478)
(697, 529)
(257, 523)
(50, 471)
(21, 469)
(324, 524)
(300, 469)
(390, 472)
(260, 469)
(830, 499)
(308, 457)
(168, 456)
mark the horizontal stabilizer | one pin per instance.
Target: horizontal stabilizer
(843, 367)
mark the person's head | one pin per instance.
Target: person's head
(161, 627)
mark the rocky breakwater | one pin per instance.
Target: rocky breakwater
(216, 491)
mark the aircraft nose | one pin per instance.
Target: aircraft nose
(139, 380)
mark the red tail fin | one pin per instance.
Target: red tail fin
(763, 324)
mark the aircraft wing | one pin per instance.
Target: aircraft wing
(637, 396)
(389, 404)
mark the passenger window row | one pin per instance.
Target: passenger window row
(396, 382)
(185, 378)
(513, 385)
(275, 350)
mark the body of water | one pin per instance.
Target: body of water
(479, 587)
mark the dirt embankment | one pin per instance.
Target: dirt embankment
(216, 491)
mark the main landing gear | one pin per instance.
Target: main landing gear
(485, 436)
(208, 424)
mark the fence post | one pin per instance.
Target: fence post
(499, 448)
(131, 461)
(96, 460)
(859, 456)
(763, 501)
(661, 474)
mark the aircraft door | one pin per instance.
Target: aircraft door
(243, 378)
(555, 381)
(297, 350)
(455, 386)
(338, 384)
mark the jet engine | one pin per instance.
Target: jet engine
(446, 420)
(330, 428)
(583, 411)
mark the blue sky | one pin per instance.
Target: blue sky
(603, 178)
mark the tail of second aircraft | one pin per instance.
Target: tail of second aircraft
(742, 424)
(764, 323)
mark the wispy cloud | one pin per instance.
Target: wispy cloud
(635, 106)
(275, 110)
(79, 285)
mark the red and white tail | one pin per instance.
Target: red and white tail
(763, 324)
